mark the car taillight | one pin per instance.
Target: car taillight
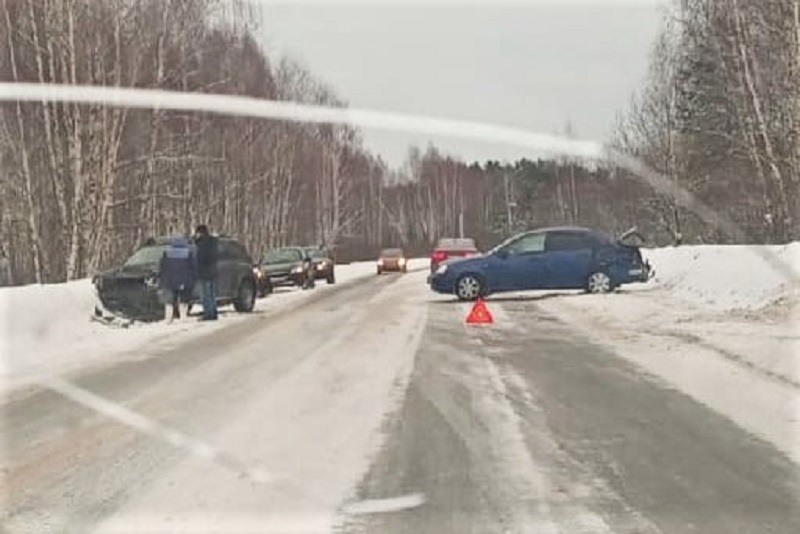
(439, 256)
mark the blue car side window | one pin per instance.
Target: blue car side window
(526, 244)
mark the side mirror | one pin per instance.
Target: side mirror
(502, 254)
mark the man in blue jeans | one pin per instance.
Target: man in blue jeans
(206, 245)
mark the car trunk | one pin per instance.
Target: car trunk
(390, 263)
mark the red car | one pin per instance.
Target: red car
(392, 259)
(452, 247)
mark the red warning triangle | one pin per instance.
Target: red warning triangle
(480, 314)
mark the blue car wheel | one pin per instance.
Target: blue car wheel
(469, 287)
(599, 282)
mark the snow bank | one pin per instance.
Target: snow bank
(722, 278)
(48, 328)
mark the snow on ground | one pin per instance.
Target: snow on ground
(48, 328)
(720, 323)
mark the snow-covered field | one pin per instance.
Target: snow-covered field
(48, 328)
(720, 323)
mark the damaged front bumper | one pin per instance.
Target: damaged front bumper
(140, 303)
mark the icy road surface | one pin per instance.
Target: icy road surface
(371, 407)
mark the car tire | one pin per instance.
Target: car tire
(599, 282)
(331, 279)
(380, 271)
(470, 287)
(245, 297)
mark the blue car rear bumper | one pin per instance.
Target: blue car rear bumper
(634, 273)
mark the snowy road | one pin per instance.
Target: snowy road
(293, 420)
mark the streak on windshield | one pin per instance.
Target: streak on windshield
(247, 106)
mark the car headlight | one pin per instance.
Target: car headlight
(380, 261)
(257, 272)
(151, 281)
(441, 269)
(98, 282)
(401, 262)
(297, 270)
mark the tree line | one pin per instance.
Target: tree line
(719, 116)
(84, 185)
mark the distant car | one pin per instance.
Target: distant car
(452, 247)
(392, 259)
(131, 290)
(550, 258)
(285, 266)
(322, 261)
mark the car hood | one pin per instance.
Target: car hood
(130, 271)
(279, 267)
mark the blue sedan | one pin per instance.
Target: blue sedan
(550, 258)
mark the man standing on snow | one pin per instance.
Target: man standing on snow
(207, 270)
(177, 278)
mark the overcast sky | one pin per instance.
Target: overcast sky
(529, 66)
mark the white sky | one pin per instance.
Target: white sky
(533, 65)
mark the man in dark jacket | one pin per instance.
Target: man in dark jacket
(177, 278)
(207, 270)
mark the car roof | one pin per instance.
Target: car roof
(571, 229)
(553, 229)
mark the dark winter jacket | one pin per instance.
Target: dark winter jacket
(177, 265)
(206, 257)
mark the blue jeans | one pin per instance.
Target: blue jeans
(208, 288)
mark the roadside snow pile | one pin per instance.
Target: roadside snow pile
(49, 328)
(727, 277)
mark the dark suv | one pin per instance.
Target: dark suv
(131, 290)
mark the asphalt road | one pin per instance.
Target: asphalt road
(519, 427)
